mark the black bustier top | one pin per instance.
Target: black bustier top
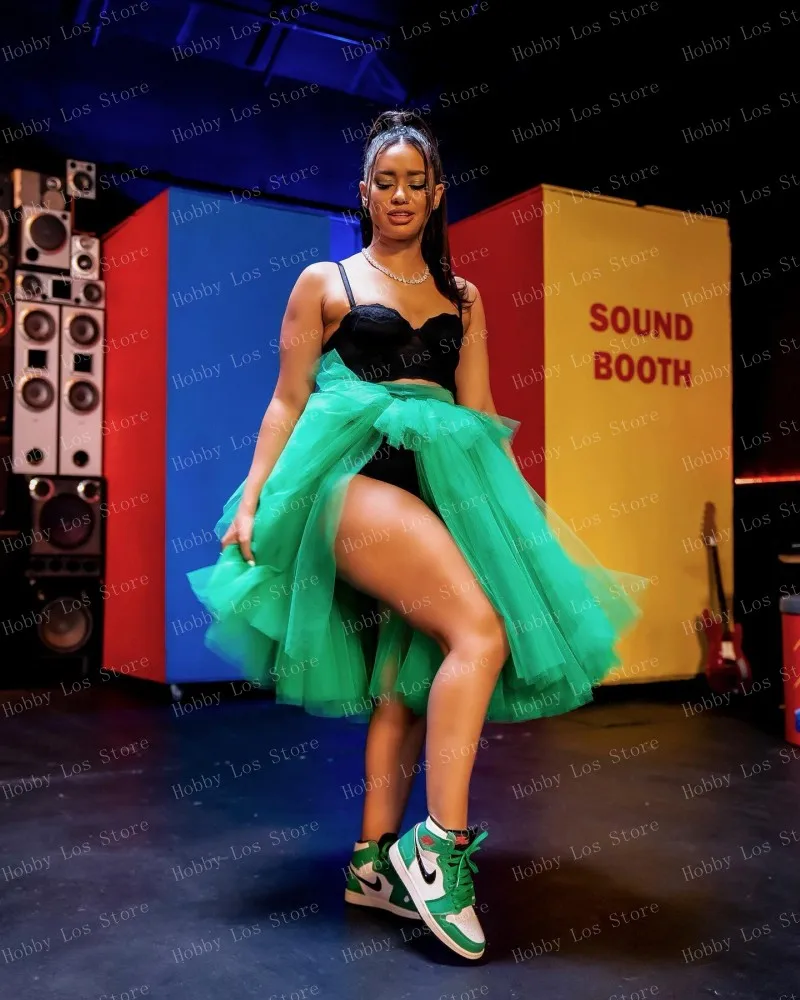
(380, 345)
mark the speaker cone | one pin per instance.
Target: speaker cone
(83, 396)
(53, 194)
(47, 232)
(31, 286)
(41, 487)
(92, 293)
(84, 330)
(39, 326)
(82, 181)
(37, 393)
(67, 627)
(70, 520)
(89, 489)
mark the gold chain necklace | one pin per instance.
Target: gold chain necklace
(397, 277)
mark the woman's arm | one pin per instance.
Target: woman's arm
(472, 375)
(300, 344)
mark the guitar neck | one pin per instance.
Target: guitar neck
(723, 604)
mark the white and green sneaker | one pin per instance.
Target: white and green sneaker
(372, 881)
(436, 868)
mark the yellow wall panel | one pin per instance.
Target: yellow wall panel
(638, 424)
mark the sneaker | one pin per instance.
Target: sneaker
(436, 868)
(372, 881)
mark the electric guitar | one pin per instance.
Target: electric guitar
(726, 664)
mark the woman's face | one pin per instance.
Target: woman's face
(396, 196)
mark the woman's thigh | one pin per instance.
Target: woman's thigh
(392, 546)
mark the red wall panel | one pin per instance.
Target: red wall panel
(501, 251)
(135, 443)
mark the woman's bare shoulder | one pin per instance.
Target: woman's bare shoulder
(316, 279)
(320, 270)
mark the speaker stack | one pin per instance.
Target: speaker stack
(52, 336)
(6, 338)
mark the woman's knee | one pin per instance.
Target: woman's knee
(482, 639)
(391, 710)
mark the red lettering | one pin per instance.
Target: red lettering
(666, 364)
(643, 329)
(602, 364)
(683, 371)
(644, 322)
(649, 364)
(625, 367)
(663, 324)
(598, 314)
(616, 312)
(680, 332)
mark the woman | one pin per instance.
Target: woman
(385, 559)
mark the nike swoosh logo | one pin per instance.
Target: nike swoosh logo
(376, 885)
(429, 877)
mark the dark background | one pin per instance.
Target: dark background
(478, 73)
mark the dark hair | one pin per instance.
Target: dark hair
(392, 127)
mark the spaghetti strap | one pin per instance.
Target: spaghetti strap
(346, 281)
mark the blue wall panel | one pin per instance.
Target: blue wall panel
(232, 266)
(345, 238)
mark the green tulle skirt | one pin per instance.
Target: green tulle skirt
(291, 624)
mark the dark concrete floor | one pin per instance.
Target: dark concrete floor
(636, 850)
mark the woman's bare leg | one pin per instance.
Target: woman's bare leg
(419, 571)
(394, 742)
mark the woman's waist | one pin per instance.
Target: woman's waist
(418, 387)
(334, 373)
(418, 410)
(412, 381)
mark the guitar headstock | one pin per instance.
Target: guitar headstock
(708, 529)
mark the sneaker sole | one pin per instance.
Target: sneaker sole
(377, 903)
(407, 879)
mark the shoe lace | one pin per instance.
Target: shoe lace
(457, 868)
